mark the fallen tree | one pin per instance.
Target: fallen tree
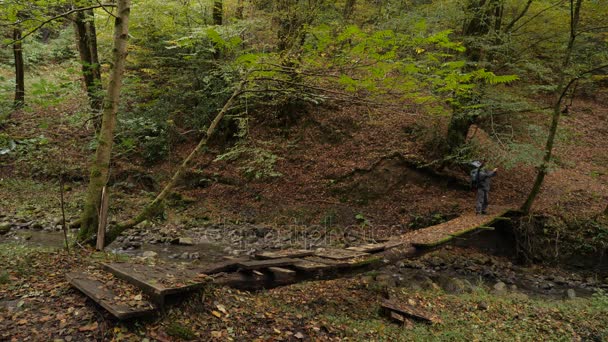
(153, 207)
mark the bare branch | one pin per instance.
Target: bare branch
(62, 15)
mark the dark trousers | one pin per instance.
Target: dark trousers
(482, 201)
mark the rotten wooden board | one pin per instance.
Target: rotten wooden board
(105, 297)
(410, 311)
(339, 254)
(260, 264)
(286, 253)
(159, 280)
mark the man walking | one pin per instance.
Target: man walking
(481, 179)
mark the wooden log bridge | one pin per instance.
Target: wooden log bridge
(266, 270)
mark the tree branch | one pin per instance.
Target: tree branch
(62, 15)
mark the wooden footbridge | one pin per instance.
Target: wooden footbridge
(267, 269)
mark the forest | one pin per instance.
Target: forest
(303, 170)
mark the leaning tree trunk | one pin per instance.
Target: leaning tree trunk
(19, 69)
(84, 24)
(101, 165)
(218, 12)
(559, 95)
(156, 205)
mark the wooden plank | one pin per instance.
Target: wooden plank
(410, 311)
(160, 280)
(310, 266)
(281, 271)
(339, 254)
(229, 265)
(259, 264)
(368, 248)
(103, 296)
(286, 253)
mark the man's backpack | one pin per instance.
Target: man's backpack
(475, 178)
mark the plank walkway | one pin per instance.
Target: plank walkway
(269, 268)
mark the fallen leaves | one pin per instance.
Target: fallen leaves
(90, 327)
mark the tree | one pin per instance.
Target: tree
(154, 206)
(86, 37)
(218, 12)
(100, 168)
(349, 8)
(19, 68)
(560, 92)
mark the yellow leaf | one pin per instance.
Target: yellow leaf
(216, 314)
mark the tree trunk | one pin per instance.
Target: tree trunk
(458, 129)
(86, 37)
(485, 15)
(101, 165)
(349, 8)
(240, 7)
(560, 92)
(218, 12)
(19, 69)
(156, 204)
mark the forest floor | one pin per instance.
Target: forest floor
(343, 173)
(476, 296)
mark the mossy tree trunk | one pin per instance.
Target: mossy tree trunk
(349, 9)
(156, 205)
(86, 37)
(19, 69)
(240, 8)
(458, 129)
(562, 88)
(218, 12)
(100, 167)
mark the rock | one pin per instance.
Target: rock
(483, 306)
(513, 287)
(195, 255)
(559, 280)
(570, 294)
(547, 286)
(185, 255)
(385, 280)
(499, 288)
(149, 254)
(36, 225)
(452, 285)
(57, 220)
(5, 227)
(186, 241)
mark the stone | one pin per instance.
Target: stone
(482, 306)
(385, 280)
(186, 241)
(5, 227)
(36, 225)
(149, 254)
(452, 285)
(513, 287)
(570, 294)
(499, 287)
(185, 255)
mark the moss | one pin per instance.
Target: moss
(177, 330)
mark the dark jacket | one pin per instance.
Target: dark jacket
(485, 178)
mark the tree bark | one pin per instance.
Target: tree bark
(349, 9)
(19, 69)
(240, 8)
(559, 95)
(218, 12)
(101, 165)
(154, 206)
(458, 129)
(86, 37)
